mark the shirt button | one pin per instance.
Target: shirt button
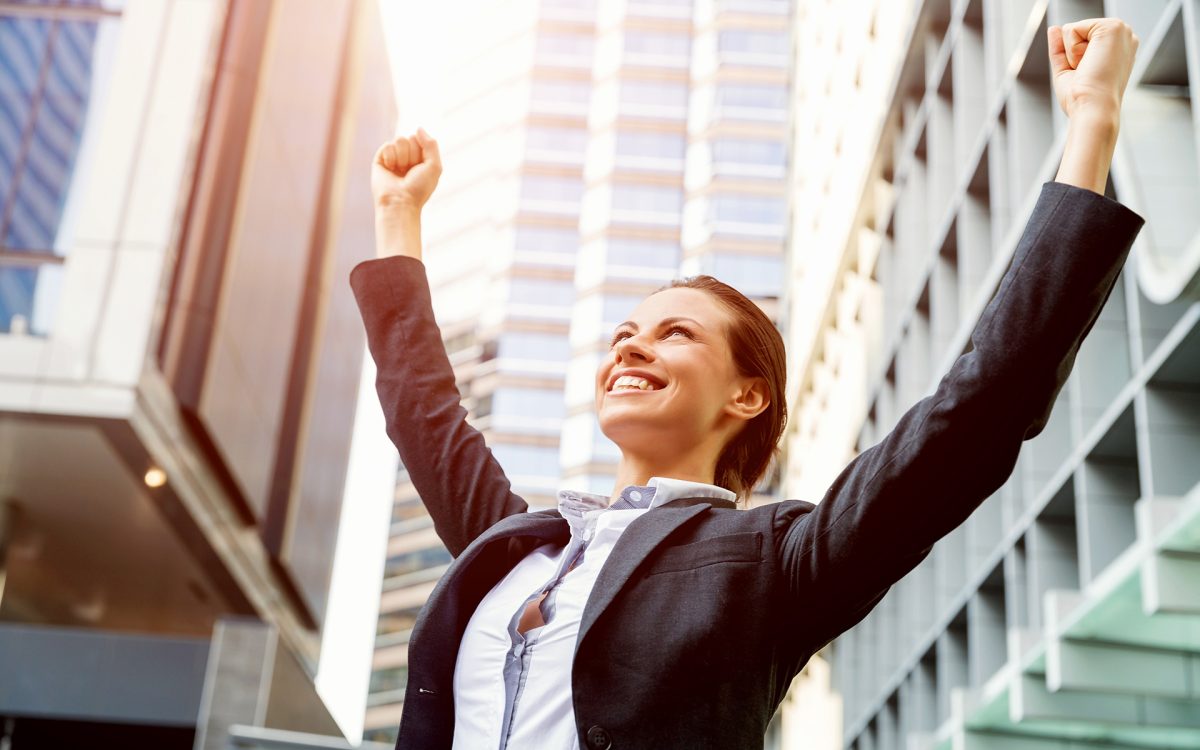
(635, 495)
(598, 738)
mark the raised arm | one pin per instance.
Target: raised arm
(953, 449)
(461, 483)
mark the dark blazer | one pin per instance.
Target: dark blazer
(703, 614)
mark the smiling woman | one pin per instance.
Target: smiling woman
(662, 615)
(719, 363)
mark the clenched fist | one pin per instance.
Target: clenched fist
(405, 171)
(1090, 62)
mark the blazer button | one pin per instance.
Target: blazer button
(599, 738)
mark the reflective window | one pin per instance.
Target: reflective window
(546, 139)
(574, 50)
(654, 98)
(617, 308)
(547, 239)
(531, 460)
(749, 151)
(752, 101)
(555, 292)
(54, 64)
(754, 47)
(421, 559)
(648, 44)
(548, 193)
(752, 275)
(751, 209)
(560, 96)
(637, 252)
(651, 144)
(539, 403)
(632, 200)
(537, 346)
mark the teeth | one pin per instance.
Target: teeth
(629, 381)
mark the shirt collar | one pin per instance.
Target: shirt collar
(574, 504)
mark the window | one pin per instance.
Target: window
(750, 209)
(537, 403)
(640, 200)
(654, 47)
(650, 144)
(617, 308)
(571, 141)
(410, 562)
(633, 252)
(54, 64)
(574, 50)
(753, 101)
(554, 194)
(654, 98)
(560, 96)
(749, 151)
(752, 275)
(547, 239)
(535, 346)
(527, 460)
(555, 292)
(754, 47)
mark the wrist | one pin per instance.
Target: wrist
(398, 231)
(1104, 117)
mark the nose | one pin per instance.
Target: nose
(631, 347)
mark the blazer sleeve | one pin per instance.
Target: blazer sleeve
(956, 447)
(459, 480)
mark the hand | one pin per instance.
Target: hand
(405, 171)
(1090, 64)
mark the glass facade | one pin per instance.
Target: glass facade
(54, 63)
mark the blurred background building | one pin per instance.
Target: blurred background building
(183, 190)
(593, 150)
(1066, 611)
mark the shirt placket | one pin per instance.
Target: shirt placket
(520, 653)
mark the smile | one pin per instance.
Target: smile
(632, 384)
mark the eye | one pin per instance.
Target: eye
(671, 330)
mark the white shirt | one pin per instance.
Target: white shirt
(512, 691)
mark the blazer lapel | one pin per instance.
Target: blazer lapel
(635, 545)
(473, 573)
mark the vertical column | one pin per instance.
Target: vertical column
(237, 680)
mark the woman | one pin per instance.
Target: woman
(664, 616)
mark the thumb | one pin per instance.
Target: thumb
(1058, 52)
(429, 148)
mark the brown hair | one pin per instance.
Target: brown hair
(757, 351)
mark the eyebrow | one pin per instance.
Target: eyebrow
(663, 322)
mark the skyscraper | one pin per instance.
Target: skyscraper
(182, 195)
(1063, 612)
(593, 151)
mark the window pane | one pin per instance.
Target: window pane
(42, 122)
(547, 239)
(653, 198)
(527, 460)
(537, 403)
(659, 145)
(542, 291)
(753, 209)
(633, 252)
(536, 346)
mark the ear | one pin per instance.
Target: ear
(751, 399)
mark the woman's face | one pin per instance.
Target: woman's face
(681, 377)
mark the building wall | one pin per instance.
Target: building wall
(181, 199)
(1045, 617)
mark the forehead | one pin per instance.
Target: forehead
(680, 302)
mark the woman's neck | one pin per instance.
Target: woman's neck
(636, 470)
